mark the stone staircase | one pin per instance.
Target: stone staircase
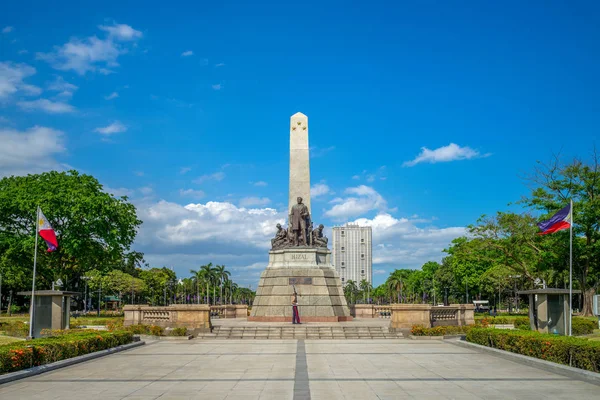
(300, 332)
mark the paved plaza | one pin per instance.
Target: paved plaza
(299, 369)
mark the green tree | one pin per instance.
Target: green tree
(223, 276)
(350, 290)
(94, 229)
(365, 287)
(555, 184)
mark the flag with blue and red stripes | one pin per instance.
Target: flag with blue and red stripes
(46, 232)
(559, 221)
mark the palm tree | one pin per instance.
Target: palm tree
(395, 283)
(223, 276)
(206, 274)
(365, 287)
(350, 290)
(233, 287)
(197, 277)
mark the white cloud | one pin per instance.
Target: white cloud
(60, 85)
(452, 152)
(12, 78)
(260, 183)
(92, 53)
(146, 190)
(210, 227)
(22, 51)
(254, 201)
(400, 243)
(30, 151)
(219, 65)
(7, 29)
(121, 32)
(187, 53)
(184, 170)
(119, 192)
(111, 96)
(319, 189)
(316, 152)
(115, 127)
(363, 199)
(51, 107)
(379, 271)
(105, 71)
(198, 194)
(217, 86)
(217, 176)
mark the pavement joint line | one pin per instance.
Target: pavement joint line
(301, 382)
(26, 373)
(560, 369)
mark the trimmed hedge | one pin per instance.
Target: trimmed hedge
(583, 326)
(22, 355)
(576, 352)
(420, 330)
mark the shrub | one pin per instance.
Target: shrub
(583, 326)
(20, 355)
(522, 323)
(576, 352)
(420, 330)
(15, 328)
(156, 330)
(181, 331)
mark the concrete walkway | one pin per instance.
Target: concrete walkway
(299, 369)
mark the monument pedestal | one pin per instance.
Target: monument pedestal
(309, 270)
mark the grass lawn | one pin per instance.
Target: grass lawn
(8, 339)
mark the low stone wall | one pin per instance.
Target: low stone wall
(370, 311)
(192, 316)
(404, 316)
(230, 311)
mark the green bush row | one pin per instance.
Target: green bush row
(420, 330)
(576, 352)
(22, 355)
(583, 326)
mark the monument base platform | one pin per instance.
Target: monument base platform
(319, 288)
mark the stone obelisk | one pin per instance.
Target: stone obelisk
(298, 265)
(299, 161)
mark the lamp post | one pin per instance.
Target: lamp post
(515, 277)
(85, 303)
(99, 294)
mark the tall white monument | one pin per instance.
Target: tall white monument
(299, 258)
(299, 161)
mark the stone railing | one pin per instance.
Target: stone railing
(229, 311)
(404, 316)
(370, 311)
(191, 316)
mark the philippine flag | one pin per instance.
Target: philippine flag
(559, 221)
(46, 232)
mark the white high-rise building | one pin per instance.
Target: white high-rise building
(352, 253)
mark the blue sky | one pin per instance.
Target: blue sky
(422, 117)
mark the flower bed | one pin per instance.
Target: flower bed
(576, 352)
(420, 330)
(21, 355)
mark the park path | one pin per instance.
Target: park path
(299, 369)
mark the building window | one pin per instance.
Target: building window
(362, 271)
(343, 248)
(362, 256)
(362, 240)
(342, 233)
(342, 263)
(342, 279)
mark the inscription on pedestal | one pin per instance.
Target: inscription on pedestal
(300, 281)
(299, 257)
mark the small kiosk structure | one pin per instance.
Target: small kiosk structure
(51, 310)
(549, 310)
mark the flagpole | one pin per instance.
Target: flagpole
(31, 307)
(571, 274)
